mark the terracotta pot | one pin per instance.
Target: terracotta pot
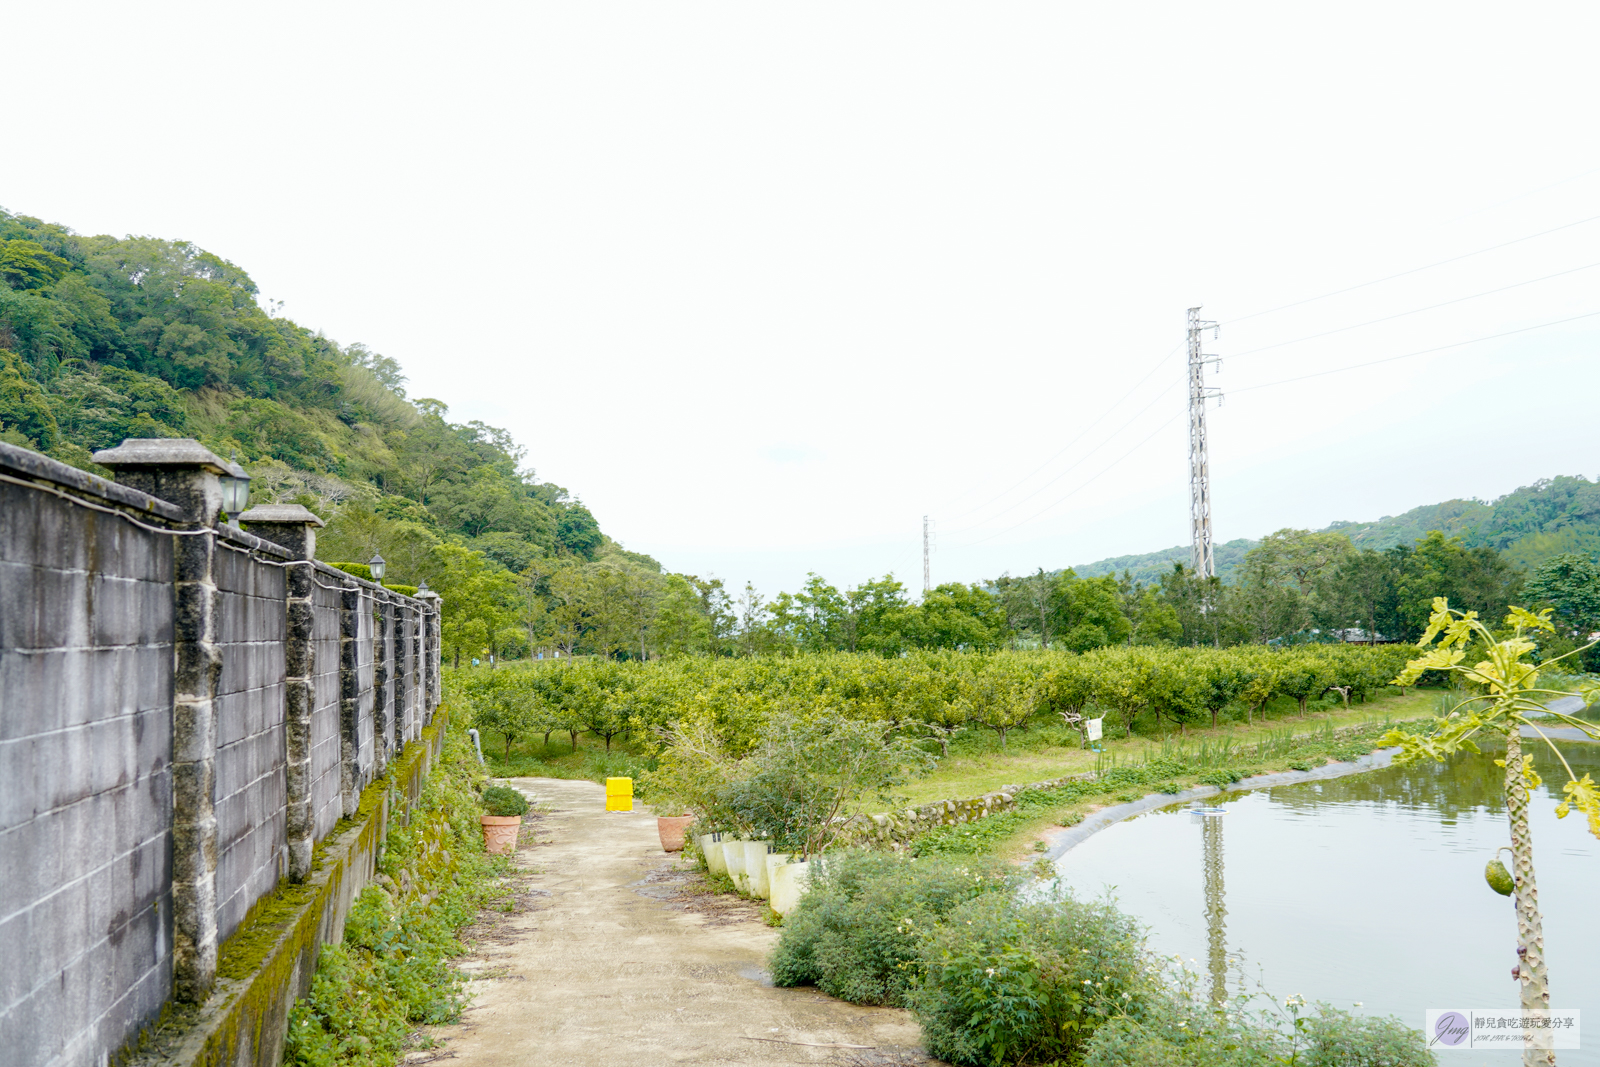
(500, 833)
(671, 828)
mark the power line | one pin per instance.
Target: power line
(1413, 270)
(1083, 485)
(1419, 352)
(1066, 447)
(1522, 196)
(1085, 458)
(1413, 311)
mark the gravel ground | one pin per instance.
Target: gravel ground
(615, 954)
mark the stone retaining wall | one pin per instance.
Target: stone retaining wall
(890, 828)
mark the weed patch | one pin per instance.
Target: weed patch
(391, 973)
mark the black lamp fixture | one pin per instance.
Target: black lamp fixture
(235, 490)
(377, 566)
(422, 587)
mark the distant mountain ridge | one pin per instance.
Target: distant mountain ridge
(1550, 517)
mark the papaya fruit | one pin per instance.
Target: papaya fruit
(1498, 877)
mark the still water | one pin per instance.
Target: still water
(1366, 889)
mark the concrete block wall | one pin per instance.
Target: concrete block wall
(146, 725)
(86, 616)
(250, 790)
(327, 803)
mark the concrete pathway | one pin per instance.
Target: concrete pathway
(619, 962)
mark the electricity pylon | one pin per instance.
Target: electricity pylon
(1205, 563)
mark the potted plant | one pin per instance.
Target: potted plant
(503, 808)
(672, 821)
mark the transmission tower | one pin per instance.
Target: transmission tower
(1205, 564)
(927, 581)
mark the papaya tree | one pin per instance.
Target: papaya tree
(1504, 699)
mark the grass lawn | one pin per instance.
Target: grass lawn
(1048, 749)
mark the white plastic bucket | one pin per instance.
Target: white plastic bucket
(716, 861)
(755, 866)
(733, 858)
(788, 886)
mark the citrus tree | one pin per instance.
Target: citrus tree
(1504, 699)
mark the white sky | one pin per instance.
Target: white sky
(763, 284)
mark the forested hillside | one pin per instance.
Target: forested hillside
(104, 338)
(1551, 517)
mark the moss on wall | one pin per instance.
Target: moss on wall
(270, 960)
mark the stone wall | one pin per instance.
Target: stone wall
(892, 828)
(185, 709)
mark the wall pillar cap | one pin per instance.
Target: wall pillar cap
(288, 525)
(281, 513)
(162, 452)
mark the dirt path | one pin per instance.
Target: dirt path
(617, 961)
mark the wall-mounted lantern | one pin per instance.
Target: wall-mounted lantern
(235, 490)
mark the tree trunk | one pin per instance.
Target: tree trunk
(1533, 979)
(574, 735)
(547, 734)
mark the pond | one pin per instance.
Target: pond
(1365, 889)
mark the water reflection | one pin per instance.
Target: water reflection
(1216, 905)
(1364, 889)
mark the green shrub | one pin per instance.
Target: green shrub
(858, 932)
(1008, 981)
(503, 801)
(1336, 1038)
(1178, 1026)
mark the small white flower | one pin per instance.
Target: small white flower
(991, 972)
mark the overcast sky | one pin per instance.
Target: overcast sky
(764, 284)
